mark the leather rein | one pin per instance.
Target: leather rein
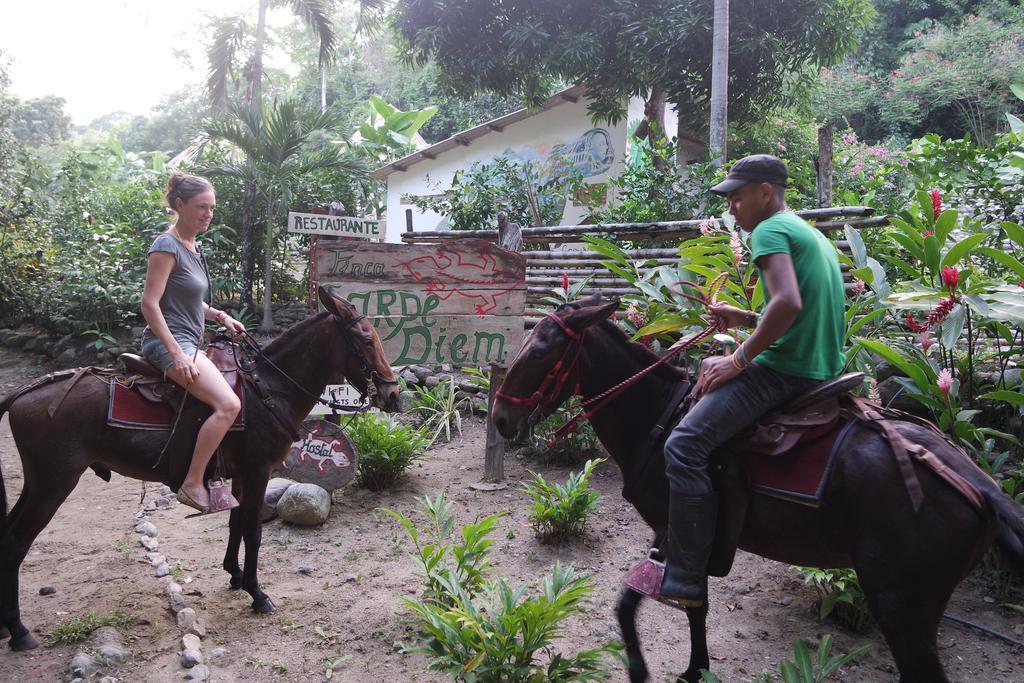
(252, 353)
(548, 391)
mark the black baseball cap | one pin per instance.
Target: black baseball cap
(756, 168)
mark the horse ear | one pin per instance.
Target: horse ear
(327, 299)
(336, 305)
(591, 312)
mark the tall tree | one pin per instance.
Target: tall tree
(276, 147)
(232, 35)
(621, 47)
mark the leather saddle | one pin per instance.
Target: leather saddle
(152, 386)
(781, 429)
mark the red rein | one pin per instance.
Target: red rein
(554, 382)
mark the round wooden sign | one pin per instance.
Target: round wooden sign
(324, 455)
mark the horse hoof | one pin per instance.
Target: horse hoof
(25, 642)
(4, 633)
(236, 582)
(264, 606)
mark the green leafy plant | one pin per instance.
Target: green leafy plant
(480, 629)
(839, 594)
(805, 667)
(76, 629)
(573, 448)
(560, 511)
(100, 340)
(439, 407)
(386, 448)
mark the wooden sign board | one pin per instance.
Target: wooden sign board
(461, 302)
(342, 226)
(343, 394)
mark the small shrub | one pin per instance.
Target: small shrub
(572, 449)
(76, 629)
(439, 409)
(560, 511)
(839, 594)
(805, 667)
(386, 449)
(479, 629)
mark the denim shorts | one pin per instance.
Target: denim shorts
(158, 355)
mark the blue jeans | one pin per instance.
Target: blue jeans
(718, 417)
(158, 355)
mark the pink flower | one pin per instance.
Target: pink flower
(950, 278)
(707, 227)
(849, 138)
(926, 341)
(945, 382)
(858, 286)
(636, 315)
(737, 247)
(565, 281)
(928, 233)
(936, 204)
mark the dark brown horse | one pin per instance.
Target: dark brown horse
(326, 348)
(908, 562)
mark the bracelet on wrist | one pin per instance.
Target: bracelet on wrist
(740, 358)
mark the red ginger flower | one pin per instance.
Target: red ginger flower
(935, 317)
(928, 233)
(950, 278)
(565, 281)
(936, 204)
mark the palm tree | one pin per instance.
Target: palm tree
(719, 81)
(229, 37)
(275, 146)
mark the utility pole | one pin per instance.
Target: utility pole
(719, 82)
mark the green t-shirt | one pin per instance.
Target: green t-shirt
(813, 346)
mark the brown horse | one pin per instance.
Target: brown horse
(326, 348)
(908, 562)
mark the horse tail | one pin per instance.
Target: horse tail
(1009, 524)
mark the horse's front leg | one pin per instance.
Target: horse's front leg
(699, 657)
(231, 565)
(626, 613)
(251, 522)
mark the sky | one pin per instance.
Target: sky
(108, 55)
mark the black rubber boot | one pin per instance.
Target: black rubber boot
(687, 547)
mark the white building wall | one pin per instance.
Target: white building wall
(563, 130)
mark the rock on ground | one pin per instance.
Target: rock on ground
(275, 489)
(305, 504)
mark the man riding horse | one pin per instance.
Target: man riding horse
(797, 342)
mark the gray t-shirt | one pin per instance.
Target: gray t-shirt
(182, 302)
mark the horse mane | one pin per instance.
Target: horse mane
(637, 351)
(286, 338)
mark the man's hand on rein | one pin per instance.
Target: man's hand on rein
(730, 315)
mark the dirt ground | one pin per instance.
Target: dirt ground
(344, 607)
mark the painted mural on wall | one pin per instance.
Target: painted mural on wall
(591, 154)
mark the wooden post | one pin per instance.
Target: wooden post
(494, 451)
(823, 164)
(408, 220)
(510, 236)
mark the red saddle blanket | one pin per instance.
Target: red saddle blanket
(128, 409)
(800, 474)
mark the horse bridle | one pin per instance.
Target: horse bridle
(371, 376)
(559, 374)
(554, 382)
(252, 349)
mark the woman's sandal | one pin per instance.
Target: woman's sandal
(186, 499)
